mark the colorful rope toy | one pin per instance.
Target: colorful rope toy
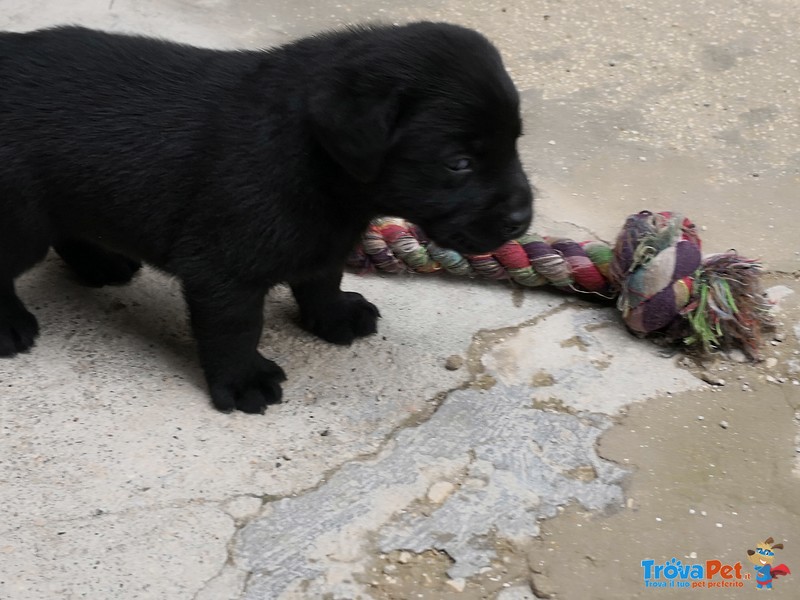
(656, 271)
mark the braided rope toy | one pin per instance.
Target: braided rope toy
(655, 270)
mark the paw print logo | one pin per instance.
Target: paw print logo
(672, 568)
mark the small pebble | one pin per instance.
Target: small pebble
(771, 379)
(719, 524)
(693, 555)
(389, 569)
(704, 513)
(737, 355)
(404, 557)
(454, 362)
(700, 418)
(723, 424)
(692, 511)
(458, 584)
(771, 362)
(779, 337)
(745, 387)
(778, 292)
(711, 379)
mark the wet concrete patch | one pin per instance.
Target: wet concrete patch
(713, 472)
(699, 492)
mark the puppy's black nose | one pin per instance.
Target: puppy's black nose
(517, 223)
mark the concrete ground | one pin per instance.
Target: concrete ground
(562, 454)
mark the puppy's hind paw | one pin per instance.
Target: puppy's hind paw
(250, 390)
(343, 320)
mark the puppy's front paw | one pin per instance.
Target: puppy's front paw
(18, 330)
(249, 389)
(341, 321)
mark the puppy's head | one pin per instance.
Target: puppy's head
(426, 119)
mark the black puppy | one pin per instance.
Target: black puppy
(235, 171)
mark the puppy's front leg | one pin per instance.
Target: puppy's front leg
(227, 323)
(335, 316)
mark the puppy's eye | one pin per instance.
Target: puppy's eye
(460, 164)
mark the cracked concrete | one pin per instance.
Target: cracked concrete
(510, 464)
(386, 475)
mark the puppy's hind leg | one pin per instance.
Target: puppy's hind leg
(331, 314)
(96, 266)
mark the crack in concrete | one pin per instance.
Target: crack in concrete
(474, 437)
(228, 559)
(591, 233)
(405, 484)
(103, 514)
(481, 342)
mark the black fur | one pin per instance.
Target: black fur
(235, 171)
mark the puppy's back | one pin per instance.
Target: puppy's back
(108, 128)
(54, 74)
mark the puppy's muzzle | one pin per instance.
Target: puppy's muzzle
(517, 223)
(520, 216)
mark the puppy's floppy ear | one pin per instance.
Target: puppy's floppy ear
(354, 128)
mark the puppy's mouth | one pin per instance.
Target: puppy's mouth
(463, 242)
